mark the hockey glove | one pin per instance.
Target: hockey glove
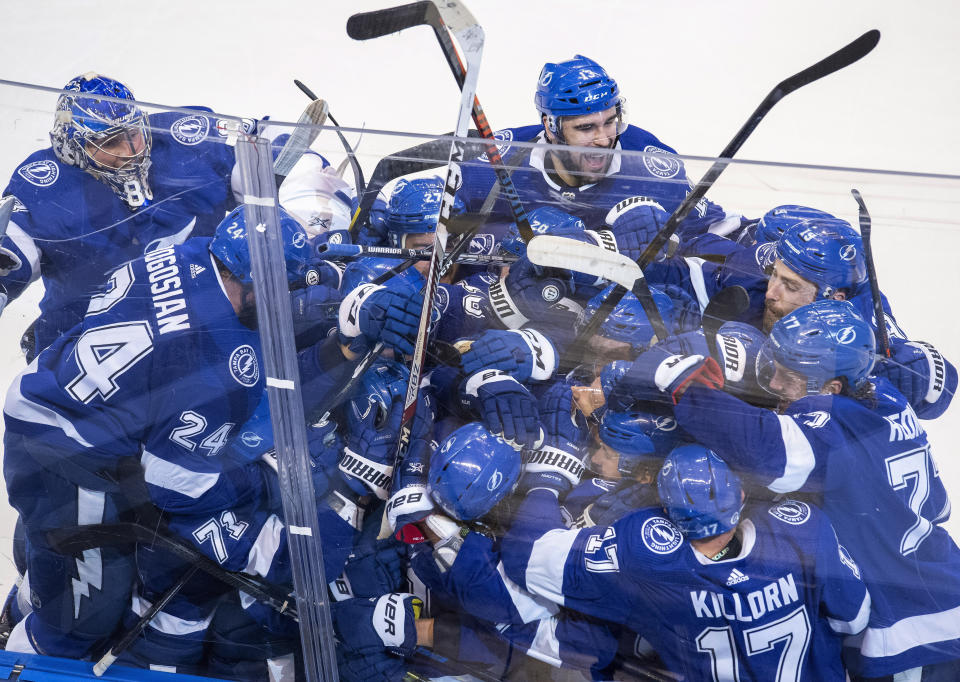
(315, 312)
(524, 354)
(633, 223)
(558, 464)
(529, 292)
(372, 313)
(654, 377)
(367, 460)
(918, 370)
(409, 501)
(617, 503)
(375, 567)
(370, 626)
(507, 408)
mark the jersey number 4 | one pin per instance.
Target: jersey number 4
(104, 353)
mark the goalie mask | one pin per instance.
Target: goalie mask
(108, 139)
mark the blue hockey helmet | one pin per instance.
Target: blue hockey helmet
(384, 382)
(88, 129)
(577, 87)
(367, 269)
(628, 322)
(828, 253)
(414, 208)
(230, 246)
(471, 471)
(779, 219)
(702, 496)
(640, 438)
(543, 220)
(822, 341)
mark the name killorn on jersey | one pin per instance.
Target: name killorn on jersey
(749, 607)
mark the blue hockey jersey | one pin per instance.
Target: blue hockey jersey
(72, 230)
(881, 487)
(773, 612)
(657, 174)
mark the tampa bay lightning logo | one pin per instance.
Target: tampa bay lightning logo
(244, 366)
(766, 254)
(299, 239)
(251, 439)
(190, 130)
(848, 252)
(846, 335)
(40, 173)
(791, 511)
(660, 162)
(665, 423)
(504, 136)
(481, 243)
(442, 299)
(496, 478)
(660, 536)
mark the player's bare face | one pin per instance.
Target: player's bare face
(788, 384)
(597, 130)
(117, 150)
(422, 240)
(786, 291)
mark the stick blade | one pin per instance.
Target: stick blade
(304, 135)
(381, 22)
(551, 251)
(845, 56)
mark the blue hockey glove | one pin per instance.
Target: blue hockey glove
(655, 377)
(917, 369)
(409, 501)
(370, 626)
(633, 223)
(524, 354)
(529, 292)
(558, 464)
(376, 567)
(367, 460)
(372, 313)
(507, 408)
(315, 310)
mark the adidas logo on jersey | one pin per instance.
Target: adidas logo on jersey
(736, 577)
(195, 270)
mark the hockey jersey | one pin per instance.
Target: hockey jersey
(657, 173)
(72, 230)
(881, 487)
(773, 612)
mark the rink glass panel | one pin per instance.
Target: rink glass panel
(915, 246)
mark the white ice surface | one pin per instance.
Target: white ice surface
(692, 72)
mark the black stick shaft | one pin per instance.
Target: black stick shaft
(865, 233)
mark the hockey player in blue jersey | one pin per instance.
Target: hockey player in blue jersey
(163, 369)
(580, 105)
(720, 591)
(114, 184)
(857, 442)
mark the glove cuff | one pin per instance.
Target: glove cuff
(937, 367)
(504, 306)
(553, 460)
(348, 318)
(373, 475)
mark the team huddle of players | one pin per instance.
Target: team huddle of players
(754, 503)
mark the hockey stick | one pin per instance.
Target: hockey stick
(350, 251)
(351, 154)
(865, 233)
(131, 635)
(78, 538)
(840, 59)
(551, 251)
(438, 15)
(308, 127)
